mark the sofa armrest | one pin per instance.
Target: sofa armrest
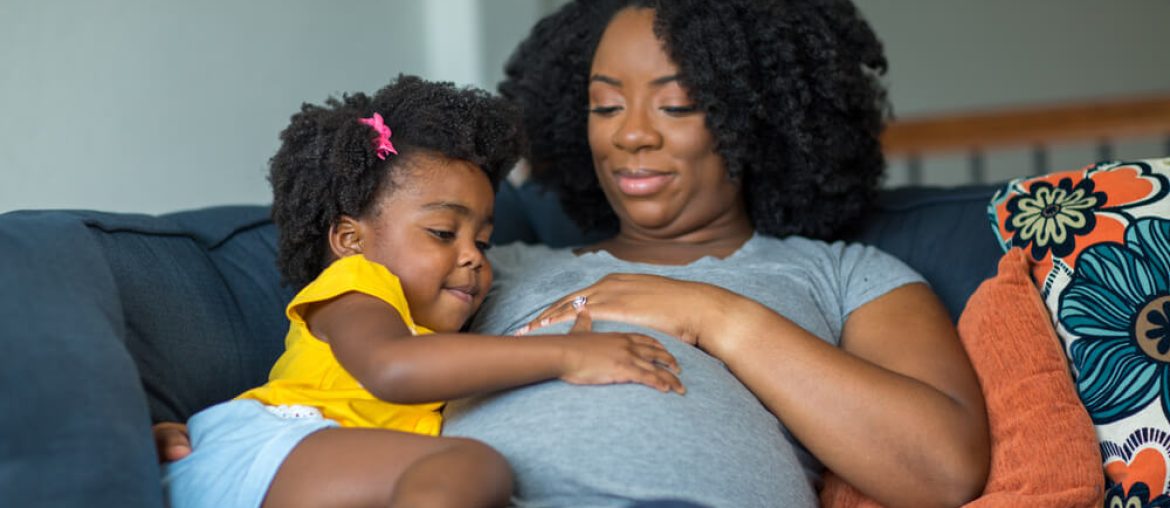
(73, 413)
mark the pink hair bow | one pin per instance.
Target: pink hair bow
(382, 145)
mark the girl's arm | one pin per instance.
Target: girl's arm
(896, 411)
(372, 342)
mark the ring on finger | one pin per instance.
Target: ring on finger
(579, 302)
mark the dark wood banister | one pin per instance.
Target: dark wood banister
(1107, 120)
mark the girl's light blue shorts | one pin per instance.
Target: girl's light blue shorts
(237, 446)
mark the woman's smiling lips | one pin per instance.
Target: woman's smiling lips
(642, 182)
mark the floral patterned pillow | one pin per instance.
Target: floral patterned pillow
(1099, 242)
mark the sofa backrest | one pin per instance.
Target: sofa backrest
(195, 298)
(201, 303)
(943, 233)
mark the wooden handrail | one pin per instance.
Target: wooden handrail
(1085, 121)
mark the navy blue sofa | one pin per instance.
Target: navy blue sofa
(109, 322)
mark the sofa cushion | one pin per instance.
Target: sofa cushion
(201, 301)
(1100, 241)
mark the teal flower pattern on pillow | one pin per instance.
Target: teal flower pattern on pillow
(1118, 303)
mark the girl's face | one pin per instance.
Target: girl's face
(431, 230)
(652, 151)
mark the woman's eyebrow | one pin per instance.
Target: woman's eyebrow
(664, 80)
(602, 78)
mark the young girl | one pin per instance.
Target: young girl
(383, 207)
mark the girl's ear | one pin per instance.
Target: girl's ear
(345, 237)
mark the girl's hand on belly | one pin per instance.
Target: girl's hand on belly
(592, 358)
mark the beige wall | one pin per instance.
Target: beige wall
(958, 55)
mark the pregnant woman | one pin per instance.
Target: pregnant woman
(725, 141)
(724, 145)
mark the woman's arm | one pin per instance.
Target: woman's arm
(372, 343)
(896, 411)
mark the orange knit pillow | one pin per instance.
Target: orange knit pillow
(1044, 450)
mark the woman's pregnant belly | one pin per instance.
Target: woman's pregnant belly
(607, 445)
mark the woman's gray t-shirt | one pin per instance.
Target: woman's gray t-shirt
(717, 445)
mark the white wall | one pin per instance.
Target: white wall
(504, 24)
(154, 106)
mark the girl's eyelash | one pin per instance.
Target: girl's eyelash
(448, 236)
(680, 110)
(442, 234)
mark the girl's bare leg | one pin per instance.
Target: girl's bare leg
(372, 467)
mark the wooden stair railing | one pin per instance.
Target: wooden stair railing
(1103, 122)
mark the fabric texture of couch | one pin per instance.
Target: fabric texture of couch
(111, 321)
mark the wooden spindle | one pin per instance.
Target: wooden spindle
(1039, 160)
(977, 167)
(914, 170)
(1104, 150)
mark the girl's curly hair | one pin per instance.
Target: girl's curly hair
(327, 166)
(790, 89)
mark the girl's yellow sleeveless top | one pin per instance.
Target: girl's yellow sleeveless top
(308, 374)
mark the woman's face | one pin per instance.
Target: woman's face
(652, 151)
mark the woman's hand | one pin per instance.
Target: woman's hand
(689, 311)
(171, 441)
(608, 358)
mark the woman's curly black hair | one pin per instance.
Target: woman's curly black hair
(790, 88)
(327, 166)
